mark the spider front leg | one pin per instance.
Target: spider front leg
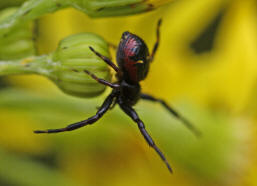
(102, 81)
(189, 125)
(133, 115)
(101, 111)
(157, 40)
(106, 60)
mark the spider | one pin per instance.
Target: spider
(133, 60)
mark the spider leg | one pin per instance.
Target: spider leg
(106, 59)
(133, 115)
(113, 103)
(189, 125)
(157, 40)
(102, 81)
(101, 111)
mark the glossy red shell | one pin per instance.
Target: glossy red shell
(129, 63)
(132, 50)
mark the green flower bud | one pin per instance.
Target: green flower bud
(33, 9)
(65, 67)
(73, 57)
(17, 43)
(103, 8)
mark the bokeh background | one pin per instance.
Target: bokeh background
(206, 67)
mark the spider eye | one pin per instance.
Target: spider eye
(125, 35)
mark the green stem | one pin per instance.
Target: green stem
(30, 10)
(10, 3)
(31, 65)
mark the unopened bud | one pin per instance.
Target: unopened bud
(67, 65)
(98, 8)
(18, 43)
(32, 9)
(72, 57)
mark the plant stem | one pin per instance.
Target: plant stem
(31, 65)
(28, 11)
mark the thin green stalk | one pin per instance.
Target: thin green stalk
(31, 65)
(10, 3)
(30, 10)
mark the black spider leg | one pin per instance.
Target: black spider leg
(106, 60)
(102, 81)
(113, 103)
(157, 40)
(133, 115)
(189, 125)
(101, 111)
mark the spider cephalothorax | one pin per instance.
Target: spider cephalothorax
(133, 65)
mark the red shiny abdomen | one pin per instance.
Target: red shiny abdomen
(131, 50)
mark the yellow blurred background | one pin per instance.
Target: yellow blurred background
(206, 67)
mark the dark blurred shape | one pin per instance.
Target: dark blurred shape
(3, 84)
(10, 3)
(49, 159)
(6, 183)
(205, 41)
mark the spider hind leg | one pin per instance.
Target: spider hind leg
(189, 125)
(101, 111)
(133, 115)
